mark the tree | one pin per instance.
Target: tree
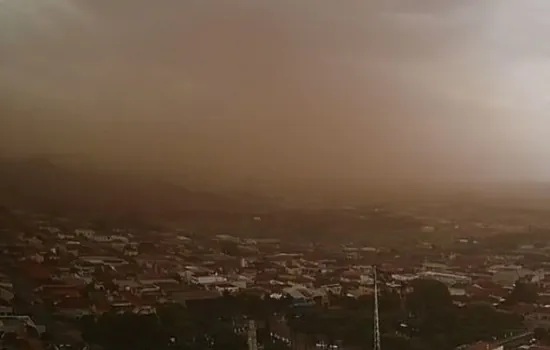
(540, 334)
(89, 288)
(395, 342)
(523, 292)
(428, 296)
(483, 322)
(172, 327)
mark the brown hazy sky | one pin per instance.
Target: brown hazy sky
(258, 89)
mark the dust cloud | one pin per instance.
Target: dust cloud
(280, 91)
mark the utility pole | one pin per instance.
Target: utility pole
(377, 345)
(252, 340)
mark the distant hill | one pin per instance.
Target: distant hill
(41, 185)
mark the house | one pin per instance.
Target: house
(458, 290)
(507, 275)
(152, 280)
(126, 284)
(300, 296)
(110, 238)
(228, 238)
(264, 241)
(482, 345)
(449, 279)
(55, 291)
(5, 282)
(6, 309)
(538, 318)
(15, 324)
(103, 260)
(37, 258)
(6, 295)
(121, 306)
(225, 287)
(72, 247)
(144, 310)
(434, 266)
(194, 296)
(50, 229)
(148, 290)
(73, 307)
(206, 279)
(539, 347)
(335, 289)
(36, 271)
(63, 236)
(87, 233)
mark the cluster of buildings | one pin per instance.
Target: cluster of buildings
(53, 276)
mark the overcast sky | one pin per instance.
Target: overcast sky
(280, 89)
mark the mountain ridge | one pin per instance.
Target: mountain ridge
(39, 184)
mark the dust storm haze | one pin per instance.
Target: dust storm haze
(282, 91)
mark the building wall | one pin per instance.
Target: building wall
(208, 279)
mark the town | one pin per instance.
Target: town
(274, 175)
(61, 284)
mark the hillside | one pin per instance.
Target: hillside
(40, 185)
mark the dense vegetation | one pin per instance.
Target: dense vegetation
(426, 319)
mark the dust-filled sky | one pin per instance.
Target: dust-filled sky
(273, 90)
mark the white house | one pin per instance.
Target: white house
(50, 229)
(82, 232)
(226, 287)
(434, 266)
(507, 275)
(366, 279)
(332, 288)
(208, 279)
(450, 279)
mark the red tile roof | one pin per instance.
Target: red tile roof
(73, 303)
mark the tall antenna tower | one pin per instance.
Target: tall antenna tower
(377, 345)
(252, 341)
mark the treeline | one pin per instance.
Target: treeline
(426, 319)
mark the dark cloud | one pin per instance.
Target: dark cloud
(282, 89)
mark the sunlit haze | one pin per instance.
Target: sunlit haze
(256, 90)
